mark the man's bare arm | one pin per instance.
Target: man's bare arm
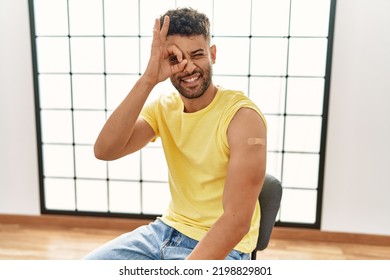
(245, 177)
(124, 132)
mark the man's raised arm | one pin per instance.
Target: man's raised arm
(124, 132)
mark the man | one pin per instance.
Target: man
(214, 141)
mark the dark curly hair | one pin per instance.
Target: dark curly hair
(188, 22)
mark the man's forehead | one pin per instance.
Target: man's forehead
(188, 43)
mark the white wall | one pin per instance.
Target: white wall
(19, 192)
(357, 187)
(356, 190)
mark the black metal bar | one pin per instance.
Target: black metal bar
(37, 104)
(102, 214)
(325, 112)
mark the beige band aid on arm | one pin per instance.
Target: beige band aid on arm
(256, 141)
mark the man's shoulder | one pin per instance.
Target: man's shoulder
(235, 100)
(166, 100)
(232, 95)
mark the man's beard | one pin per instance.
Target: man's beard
(199, 90)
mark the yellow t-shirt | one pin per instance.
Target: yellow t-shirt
(197, 154)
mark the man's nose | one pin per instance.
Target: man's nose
(190, 67)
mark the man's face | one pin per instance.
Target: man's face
(196, 77)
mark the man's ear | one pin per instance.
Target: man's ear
(213, 53)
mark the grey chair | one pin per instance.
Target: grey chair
(269, 199)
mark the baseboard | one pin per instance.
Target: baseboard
(130, 224)
(327, 236)
(74, 221)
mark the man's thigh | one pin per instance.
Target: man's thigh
(178, 246)
(156, 241)
(141, 244)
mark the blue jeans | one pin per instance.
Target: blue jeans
(156, 241)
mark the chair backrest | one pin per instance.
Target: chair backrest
(269, 199)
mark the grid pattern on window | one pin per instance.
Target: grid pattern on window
(88, 54)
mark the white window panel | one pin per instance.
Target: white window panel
(270, 18)
(56, 126)
(268, 56)
(87, 55)
(53, 55)
(303, 134)
(54, 91)
(87, 126)
(149, 11)
(236, 83)
(300, 170)
(88, 91)
(155, 198)
(232, 56)
(87, 166)
(305, 96)
(117, 88)
(231, 18)
(86, 17)
(122, 55)
(275, 125)
(298, 206)
(60, 194)
(125, 168)
(307, 57)
(144, 54)
(92, 195)
(58, 161)
(268, 94)
(274, 164)
(309, 18)
(121, 17)
(125, 197)
(51, 17)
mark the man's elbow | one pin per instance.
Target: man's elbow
(101, 152)
(98, 152)
(245, 226)
(241, 224)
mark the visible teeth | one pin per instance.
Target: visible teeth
(191, 80)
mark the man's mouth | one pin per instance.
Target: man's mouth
(191, 80)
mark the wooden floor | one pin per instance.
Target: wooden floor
(32, 242)
(310, 250)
